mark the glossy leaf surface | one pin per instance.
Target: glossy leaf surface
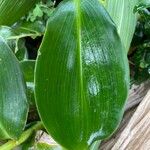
(13, 101)
(81, 81)
(122, 14)
(12, 10)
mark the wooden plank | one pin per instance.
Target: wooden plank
(137, 94)
(136, 136)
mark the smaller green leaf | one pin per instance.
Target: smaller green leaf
(13, 100)
(37, 11)
(13, 10)
(42, 11)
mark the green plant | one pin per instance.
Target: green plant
(81, 74)
(139, 55)
(79, 82)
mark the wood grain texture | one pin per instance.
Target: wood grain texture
(136, 136)
(137, 94)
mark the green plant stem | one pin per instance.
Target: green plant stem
(25, 135)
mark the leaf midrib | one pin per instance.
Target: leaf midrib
(78, 23)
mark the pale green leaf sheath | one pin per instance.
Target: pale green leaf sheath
(12, 10)
(82, 75)
(13, 101)
(122, 14)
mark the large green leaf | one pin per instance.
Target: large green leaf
(13, 101)
(12, 10)
(122, 14)
(82, 78)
